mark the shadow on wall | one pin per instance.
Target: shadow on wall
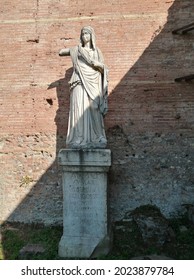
(151, 138)
(43, 204)
(153, 134)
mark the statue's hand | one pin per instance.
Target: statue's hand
(97, 64)
(64, 52)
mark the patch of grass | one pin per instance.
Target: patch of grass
(11, 244)
(127, 242)
(183, 246)
(16, 236)
(1, 252)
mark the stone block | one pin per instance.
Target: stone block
(84, 201)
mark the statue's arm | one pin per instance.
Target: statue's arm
(98, 65)
(64, 52)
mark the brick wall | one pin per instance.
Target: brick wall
(150, 121)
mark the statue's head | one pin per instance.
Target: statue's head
(90, 30)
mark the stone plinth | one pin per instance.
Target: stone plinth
(84, 201)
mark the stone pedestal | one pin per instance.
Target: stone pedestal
(84, 202)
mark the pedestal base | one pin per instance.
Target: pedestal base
(79, 247)
(85, 229)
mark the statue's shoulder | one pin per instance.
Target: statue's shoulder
(74, 53)
(74, 49)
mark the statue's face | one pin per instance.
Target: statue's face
(86, 37)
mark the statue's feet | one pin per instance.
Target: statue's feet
(103, 140)
(99, 144)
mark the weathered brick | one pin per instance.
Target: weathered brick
(143, 57)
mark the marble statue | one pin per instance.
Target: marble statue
(89, 92)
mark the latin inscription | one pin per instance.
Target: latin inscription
(85, 203)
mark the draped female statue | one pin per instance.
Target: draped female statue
(88, 99)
